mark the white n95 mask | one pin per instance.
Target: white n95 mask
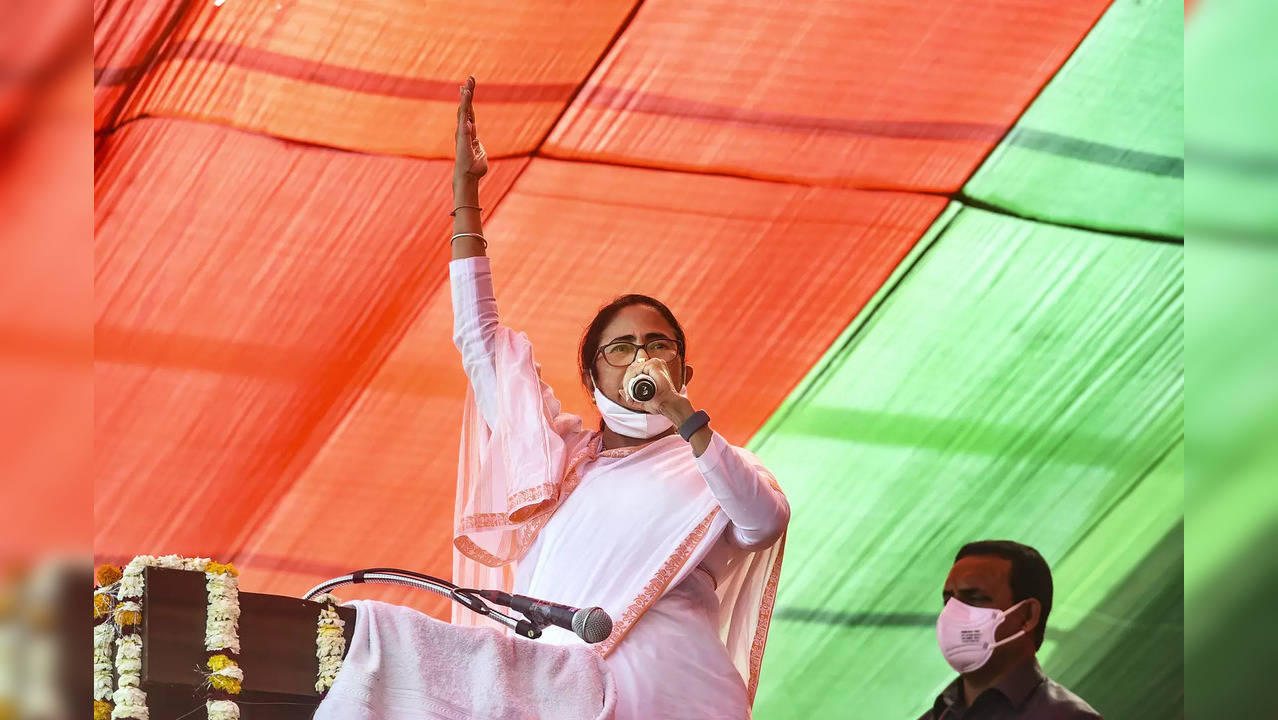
(966, 634)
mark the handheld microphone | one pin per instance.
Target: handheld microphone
(642, 388)
(591, 624)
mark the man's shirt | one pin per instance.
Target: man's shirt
(1025, 692)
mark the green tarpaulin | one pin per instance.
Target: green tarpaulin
(1103, 144)
(1016, 380)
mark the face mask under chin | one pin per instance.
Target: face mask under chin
(631, 423)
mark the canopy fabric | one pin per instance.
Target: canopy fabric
(1103, 146)
(884, 93)
(932, 324)
(378, 77)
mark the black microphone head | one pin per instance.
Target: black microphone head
(592, 624)
(642, 388)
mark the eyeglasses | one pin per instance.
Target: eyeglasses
(622, 354)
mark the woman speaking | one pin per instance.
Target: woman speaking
(654, 517)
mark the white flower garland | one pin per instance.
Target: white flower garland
(221, 635)
(103, 665)
(330, 642)
(103, 668)
(120, 613)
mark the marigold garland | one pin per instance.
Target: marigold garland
(117, 612)
(221, 638)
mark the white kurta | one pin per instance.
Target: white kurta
(672, 663)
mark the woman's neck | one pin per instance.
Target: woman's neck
(614, 441)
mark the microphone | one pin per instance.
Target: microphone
(591, 624)
(642, 388)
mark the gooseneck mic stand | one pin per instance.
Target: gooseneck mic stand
(467, 597)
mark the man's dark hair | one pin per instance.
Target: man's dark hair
(1030, 576)
(590, 340)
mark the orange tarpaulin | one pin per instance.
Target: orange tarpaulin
(380, 78)
(226, 353)
(881, 94)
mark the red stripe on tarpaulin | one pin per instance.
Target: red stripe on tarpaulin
(400, 86)
(802, 93)
(127, 33)
(763, 276)
(246, 290)
(376, 79)
(346, 78)
(650, 104)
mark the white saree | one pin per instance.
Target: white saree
(651, 534)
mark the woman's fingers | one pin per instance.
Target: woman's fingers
(658, 370)
(466, 107)
(468, 98)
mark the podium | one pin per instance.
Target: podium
(417, 667)
(277, 649)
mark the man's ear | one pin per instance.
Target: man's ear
(1033, 615)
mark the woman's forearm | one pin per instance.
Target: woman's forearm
(466, 219)
(475, 329)
(758, 510)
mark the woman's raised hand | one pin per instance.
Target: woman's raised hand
(472, 161)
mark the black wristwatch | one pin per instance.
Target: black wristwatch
(695, 422)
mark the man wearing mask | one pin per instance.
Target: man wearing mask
(997, 598)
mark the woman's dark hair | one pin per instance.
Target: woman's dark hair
(590, 340)
(1030, 577)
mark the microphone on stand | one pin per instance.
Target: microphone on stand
(521, 627)
(591, 624)
(642, 388)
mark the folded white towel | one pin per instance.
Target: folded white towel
(404, 665)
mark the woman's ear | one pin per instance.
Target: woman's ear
(687, 373)
(589, 382)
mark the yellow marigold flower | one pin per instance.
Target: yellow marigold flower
(107, 574)
(101, 605)
(221, 569)
(229, 684)
(220, 662)
(101, 710)
(127, 617)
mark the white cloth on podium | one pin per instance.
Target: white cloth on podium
(405, 665)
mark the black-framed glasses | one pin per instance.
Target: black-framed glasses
(621, 354)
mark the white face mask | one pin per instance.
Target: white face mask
(966, 634)
(624, 421)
